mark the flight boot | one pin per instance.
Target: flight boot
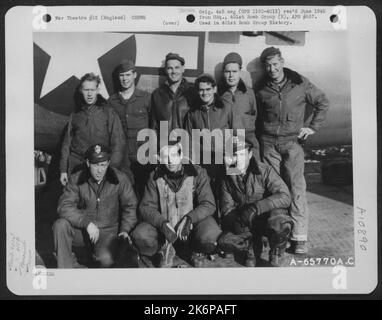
(299, 247)
(166, 255)
(250, 259)
(277, 256)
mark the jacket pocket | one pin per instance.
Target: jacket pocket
(108, 209)
(294, 123)
(137, 120)
(294, 117)
(249, 122)
(81, 205)
(271, 116)
(257, 195)
(255, 189)
(133, 144)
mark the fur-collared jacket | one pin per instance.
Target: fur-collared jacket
(244, 108)
(99, 124)
(105, 204)
(282, 110)
(191, 191)
(261, 186)
(214, 116)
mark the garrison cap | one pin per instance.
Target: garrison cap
(125, 65)
(269, 52)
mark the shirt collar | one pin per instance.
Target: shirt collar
(278, 85)
(135, 94)
(182, 86)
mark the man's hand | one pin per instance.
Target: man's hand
(305, 133)
(93, 232)
(169, 232)
(230, 242)
(125, 236)
(64, 178)
(184, 228)
(248, 213)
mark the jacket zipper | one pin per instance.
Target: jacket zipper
(208, 118)
(280, 114)
(89, 113)
(280, 105)
(98, 199)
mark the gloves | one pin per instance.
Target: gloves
(169, 232)
(124, 236)
(124, 253)
(279, 227)
(230, 242)
(247, 214)
(184, 228)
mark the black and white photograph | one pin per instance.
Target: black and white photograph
(291, 203)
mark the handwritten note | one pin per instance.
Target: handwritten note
(19, 256)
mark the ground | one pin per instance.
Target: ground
(331, 237)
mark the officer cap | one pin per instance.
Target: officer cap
(98, 153)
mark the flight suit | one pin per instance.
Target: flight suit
(134, 115)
